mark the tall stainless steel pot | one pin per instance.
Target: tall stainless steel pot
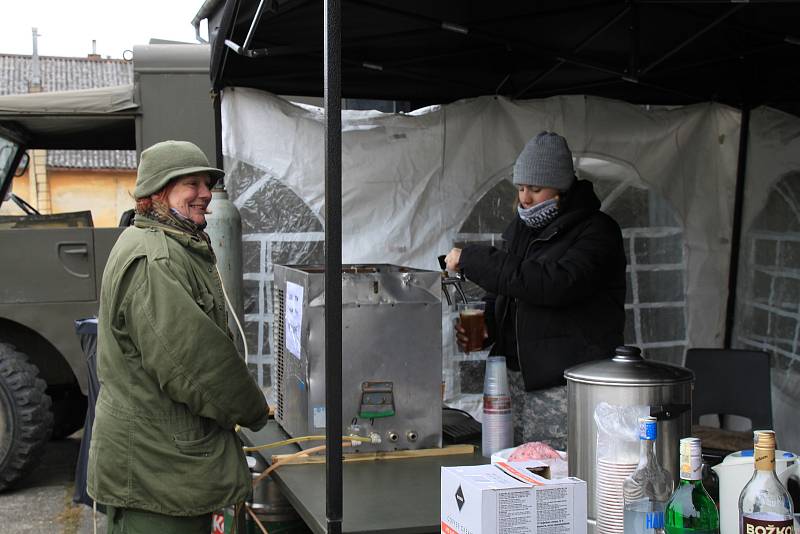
(627, 379)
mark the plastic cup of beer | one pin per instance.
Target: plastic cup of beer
(471, 318)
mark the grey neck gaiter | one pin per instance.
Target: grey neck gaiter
(539, 215)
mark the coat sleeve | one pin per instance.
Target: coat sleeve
(193, 359)
(555, 283)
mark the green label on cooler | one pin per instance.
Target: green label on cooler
(751, 525)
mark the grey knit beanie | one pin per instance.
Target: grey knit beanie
(546, 161)
(167, 160)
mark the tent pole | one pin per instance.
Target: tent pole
(633, 59)
(736, 232)
(216, 97)
(333, 265)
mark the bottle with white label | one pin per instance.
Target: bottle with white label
(764, 504)
(647, 490)
(691, 510)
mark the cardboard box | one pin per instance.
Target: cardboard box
(537, 467)
(507, 498)
(559, 468)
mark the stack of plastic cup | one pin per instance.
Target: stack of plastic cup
(498, 430)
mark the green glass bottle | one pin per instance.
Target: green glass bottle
(691, 509)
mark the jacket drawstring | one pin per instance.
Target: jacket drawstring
(235, 315)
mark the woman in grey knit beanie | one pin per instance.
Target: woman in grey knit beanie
(555, 290)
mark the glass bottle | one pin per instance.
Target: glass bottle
(691, 509)
(647, 490)
(764, 504)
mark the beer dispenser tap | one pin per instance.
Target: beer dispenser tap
(454, 281)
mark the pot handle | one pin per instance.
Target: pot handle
(793, 471)
(791, 474)
(665, 412)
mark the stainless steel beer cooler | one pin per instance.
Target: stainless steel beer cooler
(391, 353)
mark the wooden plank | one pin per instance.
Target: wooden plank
(450, 450)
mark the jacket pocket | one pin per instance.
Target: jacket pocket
(205, 301)
(203, 446)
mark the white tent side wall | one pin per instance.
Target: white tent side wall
(410, 181)
(768, 293)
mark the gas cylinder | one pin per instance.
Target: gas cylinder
(225, 230)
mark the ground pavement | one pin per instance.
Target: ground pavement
(42, 502)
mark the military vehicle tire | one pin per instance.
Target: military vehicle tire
(25, 417)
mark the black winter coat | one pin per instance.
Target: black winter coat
(559, 293)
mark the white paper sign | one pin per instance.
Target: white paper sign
(293, 319)
(319, 416)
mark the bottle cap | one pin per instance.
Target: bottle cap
(764, 448)
(764, 439)
(691, 447)
(691, 465)
(648, 428)
(495, 381)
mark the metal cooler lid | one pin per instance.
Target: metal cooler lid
(628, 368)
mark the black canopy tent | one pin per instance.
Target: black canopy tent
(640, 51)
(660, 52)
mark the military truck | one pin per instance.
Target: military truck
(52, 265)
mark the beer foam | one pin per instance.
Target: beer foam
(471, 312)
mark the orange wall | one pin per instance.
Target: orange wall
(106, 193)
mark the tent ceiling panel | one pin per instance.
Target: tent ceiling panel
(645, 51)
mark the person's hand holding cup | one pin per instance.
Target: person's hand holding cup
(471, 327)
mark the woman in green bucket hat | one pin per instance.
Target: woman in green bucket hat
(164, 454)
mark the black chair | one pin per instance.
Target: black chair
(730, 382)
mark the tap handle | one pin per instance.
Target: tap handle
(442, 264)
(447, 295)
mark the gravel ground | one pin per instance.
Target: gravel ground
(42, 503)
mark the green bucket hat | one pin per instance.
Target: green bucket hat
(167, 160)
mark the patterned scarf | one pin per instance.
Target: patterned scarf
(160, 212)
(539, 215)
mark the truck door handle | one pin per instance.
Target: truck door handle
(74, 255)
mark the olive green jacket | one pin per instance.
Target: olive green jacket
(172, 385)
